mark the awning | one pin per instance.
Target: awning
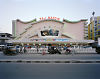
(49, 41)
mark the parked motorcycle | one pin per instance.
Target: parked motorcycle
(53, 50)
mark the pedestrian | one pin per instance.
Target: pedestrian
(43, 53)
(23, 50)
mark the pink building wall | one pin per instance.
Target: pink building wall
(74, 30)
(37, 27)
(20, 27)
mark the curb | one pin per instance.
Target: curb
(49, 61)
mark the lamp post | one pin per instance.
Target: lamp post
(93, 23)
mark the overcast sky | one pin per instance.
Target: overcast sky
(27, 10)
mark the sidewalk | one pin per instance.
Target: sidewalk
(50, 58)
(47, 61)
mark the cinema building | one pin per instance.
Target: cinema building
(50, 31)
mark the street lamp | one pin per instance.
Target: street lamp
(93, 20)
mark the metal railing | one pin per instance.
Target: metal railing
(73, 50)
(37, 51)
(84, 50)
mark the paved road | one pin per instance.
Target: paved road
(49, 71)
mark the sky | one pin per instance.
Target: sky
(27, 10)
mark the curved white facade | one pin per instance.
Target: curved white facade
(32, 30)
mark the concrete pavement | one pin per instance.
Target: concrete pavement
(51, 58)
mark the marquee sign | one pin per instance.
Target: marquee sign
(44, 18)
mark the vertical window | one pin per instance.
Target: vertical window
(98, 27)
(95, 34)
(95, 21)
(91, 34)
(98, 21)
(98, 32)
(95, 28)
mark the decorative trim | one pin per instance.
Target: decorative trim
(47, 20)
(23, 32)
(28, 27)
(34, 20)
(65, 35)
(74, 21)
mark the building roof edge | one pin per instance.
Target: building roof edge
(65, 20)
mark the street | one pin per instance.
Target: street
(49, 71)
(27, 70)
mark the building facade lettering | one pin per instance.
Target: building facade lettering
(44, 18)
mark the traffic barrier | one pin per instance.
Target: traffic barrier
(77, 50)
(84, 50)
(39, 50)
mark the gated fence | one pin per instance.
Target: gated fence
(76, 50)
(35, 51)
(85, 50)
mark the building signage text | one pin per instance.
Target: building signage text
(44, 18)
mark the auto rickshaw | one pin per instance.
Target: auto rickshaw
(9, 50)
